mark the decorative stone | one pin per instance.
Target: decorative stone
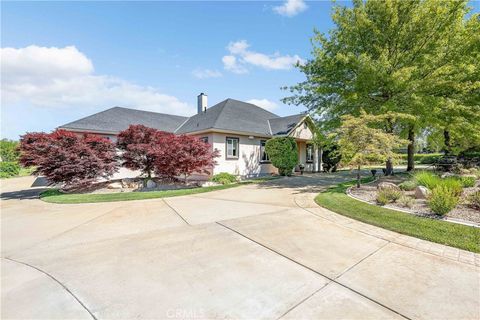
(210, 184)
(151, 184)
(447, 174)
(388, 185)
(114, 185)
(130, 183)
(421, 192)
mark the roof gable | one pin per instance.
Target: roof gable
(282, 126)
(231, 115)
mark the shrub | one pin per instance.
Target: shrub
(406, 201)
(64, 157)
(427, 179)
(283, 154)
(453, 184)
(474, 200)
(223, 178)
(388, 194)
(9, 150)
(467, 182)
(331, 158)
(427, 158)
(9, 169)
(382, 198)
(408, 185)
(442, 200)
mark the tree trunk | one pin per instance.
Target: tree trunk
(358, 176)
(411, 149)
(389, 163)
(446, 141)
(389, 167)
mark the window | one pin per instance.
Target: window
(309, 152)
(263, 155)
(204, 139)
(232, 148)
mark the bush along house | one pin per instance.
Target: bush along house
(239, 130)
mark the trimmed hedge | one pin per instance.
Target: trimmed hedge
(283, 154)
(422, 158)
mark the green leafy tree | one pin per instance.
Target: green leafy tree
(283, 154)
(415, 58)
(9, 150)
(361, 141)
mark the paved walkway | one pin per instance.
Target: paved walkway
(256, 251)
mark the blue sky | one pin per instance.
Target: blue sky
(62, 61)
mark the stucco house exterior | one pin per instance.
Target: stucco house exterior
(239, 130)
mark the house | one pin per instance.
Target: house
(239, 130)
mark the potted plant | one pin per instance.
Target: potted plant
(301, 166)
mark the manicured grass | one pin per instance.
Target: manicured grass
(451, 234)
(55, 196)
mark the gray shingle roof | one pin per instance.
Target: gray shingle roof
(117, 119)
(231, 115)
(283, 125)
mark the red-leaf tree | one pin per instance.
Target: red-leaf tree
(166, 159)
(63, 157)
(137, 144)
(194, 156)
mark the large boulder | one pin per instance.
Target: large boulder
(388, 185)
(421, 192)
(151, 184)
(114, 185)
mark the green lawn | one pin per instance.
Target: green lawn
(55, 196)
(451, 234)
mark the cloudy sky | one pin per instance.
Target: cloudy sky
(62, 61)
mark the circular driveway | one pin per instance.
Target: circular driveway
(256, 251)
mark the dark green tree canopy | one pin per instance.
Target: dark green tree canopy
(418, 57)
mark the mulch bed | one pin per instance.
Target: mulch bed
(368, 192)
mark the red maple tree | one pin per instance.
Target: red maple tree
(194, 156)
(66, 158)
(137, 144)
(163, 153)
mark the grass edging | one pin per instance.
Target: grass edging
(455, 235)
(55, 196)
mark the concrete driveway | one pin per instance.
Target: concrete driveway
(256, 251)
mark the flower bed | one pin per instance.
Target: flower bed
(410, 203)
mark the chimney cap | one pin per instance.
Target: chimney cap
(202, 94)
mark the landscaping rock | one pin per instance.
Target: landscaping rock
(151, 184)
(447, 174)
(421, 192)
(388, 185)
(131, 183)
(210, 184)
(115, 185)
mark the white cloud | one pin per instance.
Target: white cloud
(291, 8)
(206, 73)
(264, 103)
(240, 57)
(230, 63)
(49, 77)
